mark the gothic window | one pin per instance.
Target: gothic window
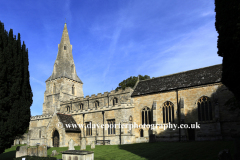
(54, 88)
(141, 132)
(65, 47)
(81, 106)
(130, 124)
(111, 126)
(168, 112)
(96, 104)
(115, 101)
(146, 115)
(73, 90)
(204, 109)
(68, 108)
(88, 128)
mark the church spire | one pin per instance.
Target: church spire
(64, 65)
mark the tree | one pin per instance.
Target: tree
(131, 81)
(228, 27)
(15, 90)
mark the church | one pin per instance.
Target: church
(185, 106)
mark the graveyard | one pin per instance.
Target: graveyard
(207, 150)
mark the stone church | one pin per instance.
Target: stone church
(194, 98)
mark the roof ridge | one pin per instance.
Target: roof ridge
(180, 72)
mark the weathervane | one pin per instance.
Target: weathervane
(65, 20)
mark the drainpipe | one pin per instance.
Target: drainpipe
(83, 127)
(103, 129)
(179, 118)
(120, 134)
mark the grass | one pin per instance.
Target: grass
(207, 150)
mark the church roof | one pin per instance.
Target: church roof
(64, 65)
(196, 77)
(68, 120)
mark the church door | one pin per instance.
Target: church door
(55, 139)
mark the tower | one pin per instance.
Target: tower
(64, 83)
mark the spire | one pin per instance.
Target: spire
(64, 65)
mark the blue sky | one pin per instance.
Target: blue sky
(113, 39)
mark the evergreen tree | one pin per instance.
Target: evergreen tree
(131, 81)
(228, 27)
(15, 90)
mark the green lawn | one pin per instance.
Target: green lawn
(161, 150)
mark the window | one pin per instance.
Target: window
(65, 47)
(96, 104)
(115, 101)
(81, 106)
(130, 125)
(168, 112)
(204, 109)
(39, 133)
(54, 88)
(73, 90)
(111, 126)
(68, 108)
(88, 128)
(146, 116)
(141, 132)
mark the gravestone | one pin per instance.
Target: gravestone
(21, 151)
(54, 153)
(42, 151)
(224, 155)
(83, 144)
(93, 145)
(71, 145)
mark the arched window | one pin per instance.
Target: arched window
(96, 104)
(81, 106)
(141, 132)
(130, 124)
(73, 90)
(68, 108)
(146, 115)
(54, 88)
(65, 47)
(115, 101)
(168, 112)
(204, 109)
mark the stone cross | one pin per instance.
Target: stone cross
(71, 145)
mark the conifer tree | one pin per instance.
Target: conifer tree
(228, 27)
(15, 90)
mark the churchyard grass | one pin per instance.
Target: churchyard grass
(207, 150)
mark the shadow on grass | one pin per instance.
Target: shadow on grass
(8, 155)
(207, 150)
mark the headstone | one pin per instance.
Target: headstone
(54, 153)
(71, 145)
(93, 145)
(224, 155)
(42, 151)
(32, 151)
(21, 151)
(83, 144)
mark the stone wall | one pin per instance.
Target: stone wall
(211, 130)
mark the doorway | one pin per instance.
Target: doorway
(55, 139)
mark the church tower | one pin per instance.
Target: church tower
(64, 83)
